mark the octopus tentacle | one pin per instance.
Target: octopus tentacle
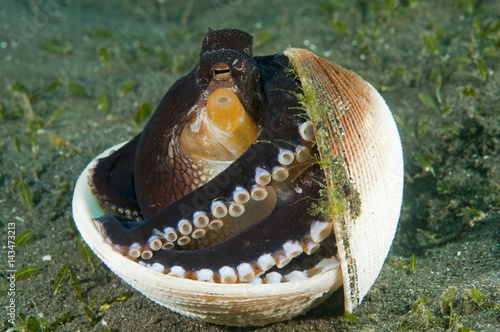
(107, 182)
(266, 238)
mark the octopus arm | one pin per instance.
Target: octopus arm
(113, 178)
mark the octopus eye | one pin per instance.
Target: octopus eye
(221, 71)
(218, 72)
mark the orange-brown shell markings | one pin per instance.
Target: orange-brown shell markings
(359, 125)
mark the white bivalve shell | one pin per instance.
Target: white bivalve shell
(351, 120)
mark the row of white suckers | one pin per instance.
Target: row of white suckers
(245, 271)
(254, 272)
(187, 230)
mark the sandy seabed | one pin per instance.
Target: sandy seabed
(437, 66)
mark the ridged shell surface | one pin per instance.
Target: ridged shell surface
(361, 128)
(362, 131)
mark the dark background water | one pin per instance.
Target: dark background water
(435, 63)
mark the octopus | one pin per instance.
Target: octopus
(220, 184)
